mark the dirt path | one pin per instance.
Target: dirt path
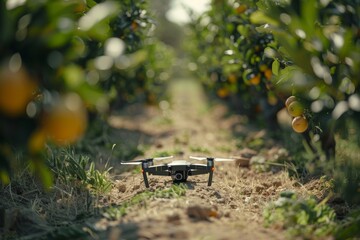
(230, 209)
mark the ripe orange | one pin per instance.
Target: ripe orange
(289, 100)
(300, 124)
(222, 92)
(66, 122)
(255, 80)
(16, 91)
(80, 6)
(134, 26)
(268, 74)
(241, 9)
(295, 109)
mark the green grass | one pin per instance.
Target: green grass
(200, 149)
(69, 167)
(174, 152)
(309, 219)
(301, 217)
(141, 199)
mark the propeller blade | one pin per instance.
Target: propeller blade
(163, 158)
(224, 160)
(198, 158)
(130, 163)
(215, 159)
(240, 158)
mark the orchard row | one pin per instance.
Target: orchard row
(266, 55)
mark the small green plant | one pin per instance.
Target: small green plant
(116, 212)
(69, 167)
(300, 217)
(200, 149)
(174, 152)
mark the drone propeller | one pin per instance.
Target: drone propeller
(215, 159)
(138, 162)
(130, 163)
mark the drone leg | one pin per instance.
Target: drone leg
(145, 179)
(210, 177)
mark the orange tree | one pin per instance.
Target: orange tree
(230, 52)
(312, 49)
(61, 59)
(319, 63)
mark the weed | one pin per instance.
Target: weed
(200, 149)
(173, 152)
(163, 121)
(225, 149)
(116, 212)
(70, 167)
(301, 217)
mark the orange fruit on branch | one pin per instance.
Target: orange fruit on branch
(295, 109)
(16, 91)
(289, 100)
(241, 9)
(66, 121)
(268, 74)
(300, 124)
(222, 92)
(255, 80)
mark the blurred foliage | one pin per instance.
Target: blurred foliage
(318, 61)
(309, 219)
(63, 63)
(229, 55)
(300, 217)
(258, 53)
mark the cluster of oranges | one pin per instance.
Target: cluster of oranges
(299, 123)
(63, 121)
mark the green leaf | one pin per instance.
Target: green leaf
(259, 17)
(97, 14)
(275, 67)
(309, 15)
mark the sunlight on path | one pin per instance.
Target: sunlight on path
(194, 119)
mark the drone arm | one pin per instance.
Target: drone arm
(197, 169)
(161, 170)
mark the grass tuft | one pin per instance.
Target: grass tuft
(116, 212)
(300, 217)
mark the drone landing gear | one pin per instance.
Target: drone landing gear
(145, 179)
(210, 177)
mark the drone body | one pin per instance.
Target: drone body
(179, 170)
